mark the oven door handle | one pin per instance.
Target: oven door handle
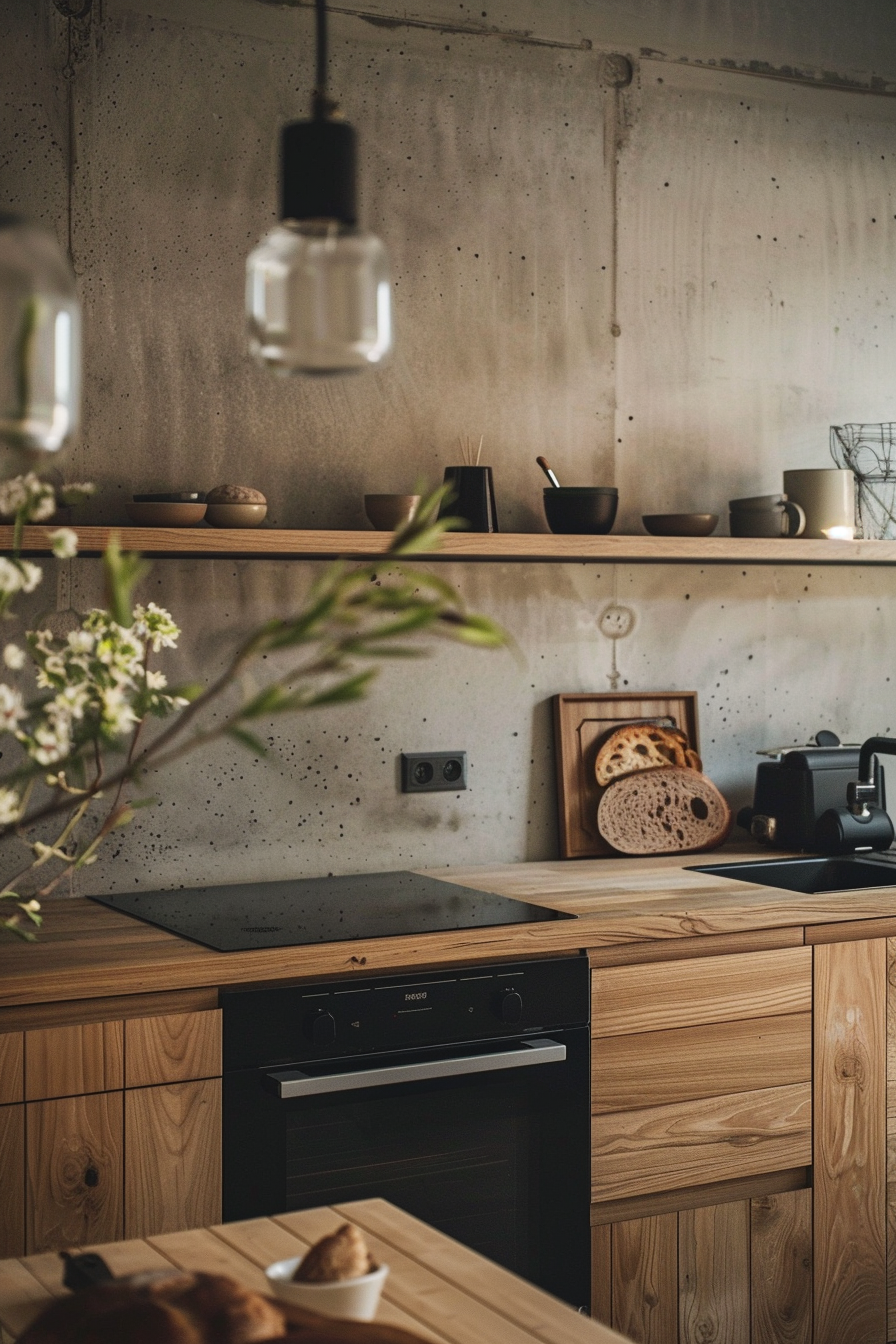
(293, 1083)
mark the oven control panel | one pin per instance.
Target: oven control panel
(287, 1025)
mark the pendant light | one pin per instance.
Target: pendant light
(318, 298)
(40, 340)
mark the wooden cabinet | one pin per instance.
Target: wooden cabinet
(729, 1203)
(701, 1148)
(109, 1129)
(738, 1272)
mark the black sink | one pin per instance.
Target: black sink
(810, 875)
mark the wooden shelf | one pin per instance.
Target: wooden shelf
(286, 544)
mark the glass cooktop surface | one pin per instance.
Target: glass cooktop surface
(323, 910)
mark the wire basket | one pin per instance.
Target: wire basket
(869, 451)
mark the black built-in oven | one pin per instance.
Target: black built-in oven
(460, 1095)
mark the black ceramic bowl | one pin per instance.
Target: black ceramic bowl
(581, 508)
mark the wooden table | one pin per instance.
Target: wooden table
(437, 1288)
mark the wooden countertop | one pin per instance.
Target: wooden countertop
(437, 1288)
(626, 908)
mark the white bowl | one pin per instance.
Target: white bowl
(352, 1299)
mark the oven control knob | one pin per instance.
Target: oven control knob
(511, 1007)
(323, 1028)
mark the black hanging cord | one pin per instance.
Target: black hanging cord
(322, 105)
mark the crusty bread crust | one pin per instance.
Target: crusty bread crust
(672, 810)
(643, 746)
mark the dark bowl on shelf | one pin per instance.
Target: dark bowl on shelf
(581, 509)
(680, 524)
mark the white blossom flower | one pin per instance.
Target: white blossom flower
(12, 710)
(80, 641)
(31, 575)
(10, 807)
(118, 714)
(14, 657)
(156, 681)
(50, 743)
(16, 575)
(64, 543)
(31, 906)
(157, 626)
(75, 492)
(29, 495)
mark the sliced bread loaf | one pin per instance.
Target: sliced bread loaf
(643, 746)
(665, 811)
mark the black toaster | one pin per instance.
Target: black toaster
(793, 791)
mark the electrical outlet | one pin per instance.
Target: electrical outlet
(433, 771)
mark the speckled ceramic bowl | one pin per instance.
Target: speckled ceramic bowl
(235, 515)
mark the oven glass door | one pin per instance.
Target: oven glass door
(498, 1158)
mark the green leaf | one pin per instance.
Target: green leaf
(248, 739)
(352, 688)
(123, 571)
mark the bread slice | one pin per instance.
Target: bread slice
(643, 746)
(671, 810)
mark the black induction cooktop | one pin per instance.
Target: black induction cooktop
(323, 910)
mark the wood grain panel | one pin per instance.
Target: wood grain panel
(645, 1279)
(714, 1274)
(68, 1061)
(659, 1067)
(172, 1170)
(682, 994)
(695, 1142)
(74, 1166)
(318, 543)
(172, 1049)
(849, 1160)
(106, 1009)
(708, 945)
(601, 1274)
(781, 1268)
(12, 1068)
(12, 1180)
(698, 1196)
(891, 1139)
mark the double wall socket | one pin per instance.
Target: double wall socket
(433, 771)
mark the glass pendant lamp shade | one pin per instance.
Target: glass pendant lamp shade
(40, 340)
(318, 298)
(318, 295)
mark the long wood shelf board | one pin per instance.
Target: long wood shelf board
(285, 543)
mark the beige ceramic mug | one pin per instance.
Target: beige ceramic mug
(828, 498)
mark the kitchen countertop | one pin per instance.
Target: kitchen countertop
(437, 1288)
(627, 909)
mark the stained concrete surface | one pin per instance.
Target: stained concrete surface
(734, 354)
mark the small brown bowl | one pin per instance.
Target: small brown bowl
(386, 512)
(680, 524)
(164, 513)
(235, 515)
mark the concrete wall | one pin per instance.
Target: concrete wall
(677, 287)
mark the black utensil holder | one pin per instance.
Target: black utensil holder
(472, 498)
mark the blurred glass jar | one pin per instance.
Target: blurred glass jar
(40, 340)
(318, 298)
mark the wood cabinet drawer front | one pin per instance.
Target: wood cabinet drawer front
(74, 1163)
(172, 1168)
(172, 1049)
(12, 1069)
(697, 1142)
(656, 1068)
(69, 1061)
(657, 997)
(12, 1180)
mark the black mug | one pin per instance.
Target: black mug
(472, 498)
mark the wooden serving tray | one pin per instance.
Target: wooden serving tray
(581, 724)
